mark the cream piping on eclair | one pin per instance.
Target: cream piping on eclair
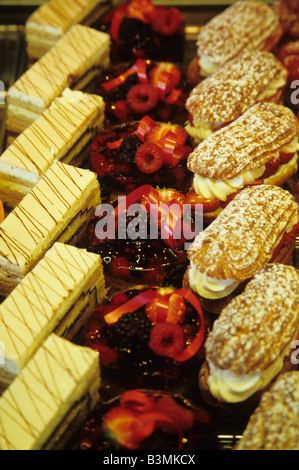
(226, 386)
(210, 189)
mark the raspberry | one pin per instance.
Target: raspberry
(142, 98)
(167, 21)
(166, 339)
(149, 158)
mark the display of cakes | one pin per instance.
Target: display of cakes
(149, 226)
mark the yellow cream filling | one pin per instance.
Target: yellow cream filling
(206, 66)
(213, 288)
(209, 188)
(208, 287)
(226, 386)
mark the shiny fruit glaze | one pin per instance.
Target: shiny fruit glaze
(147, 420)
(117, 168)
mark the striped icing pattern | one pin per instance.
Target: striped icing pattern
(48, 209)
(73, 55)
(41, 299)
(61, 14)
(51, 135)
(38, 399)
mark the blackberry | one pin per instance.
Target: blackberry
(128, 148)
(131, 333)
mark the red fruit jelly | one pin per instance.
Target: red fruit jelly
(140, 29)
(144, 87)
(113, 156)
(147, 420)
(143, 333)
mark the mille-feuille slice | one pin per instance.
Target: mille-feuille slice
(274, 423)
(250, 78)
(62, 132)
(257, 227)
(51, 396)
(58, 208)
(258, 147)
(244, 25)
(251, 341)
(58, 296)
(53, 18)
(74, 62)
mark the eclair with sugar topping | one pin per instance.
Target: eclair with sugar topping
(251, 340)
(243, 26)
(258, 147)
(257, 227)
(274, 423)
(250, 78)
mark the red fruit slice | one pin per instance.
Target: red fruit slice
(285, 157)
(170, 195)
(137, 400)
(177, 308)
(158, 73)
(167, 21)
(159, 133)
(149, 158)
(209, 205)
(182, 417)
(119, 423)
(142, 98)
(166, 339)
(271, 167)
(156, 311)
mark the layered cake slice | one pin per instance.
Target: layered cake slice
(56, 209)
(75, 60)
(51, 396)
(62, 132)
(58, 295)
(47, 24)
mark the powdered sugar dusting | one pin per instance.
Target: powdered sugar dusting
(274, 424)
(249, 142)
(225, 95)
(243, 25)
(257, 326)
